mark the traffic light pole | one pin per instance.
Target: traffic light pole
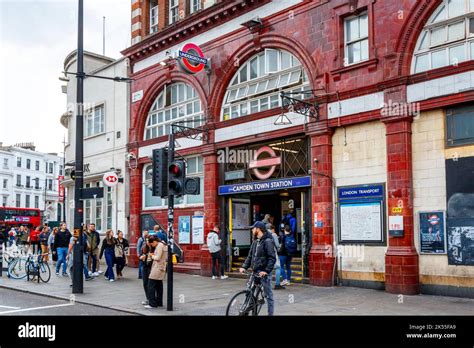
(78, 262)
(170, 228)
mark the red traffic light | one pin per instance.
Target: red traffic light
(175, 169)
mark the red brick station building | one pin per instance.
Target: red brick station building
(379, 178)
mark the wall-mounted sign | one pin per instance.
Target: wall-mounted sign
(361, 214)
(110, 179)
(192, 58)
(460, 241)
(395, 226)
(397, 210)
(198, 229)
(261, 186)
(184, 229)
(137, 96)
(270, 161)
(234, 175)
(61, 188)
(432, 232)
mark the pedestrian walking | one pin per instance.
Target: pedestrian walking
(54, 254)
(160, 233)
(214, 245)
(23, 235)
(140, 244)
(11, 237)
(43, 242)
(262, 259)
(145, 257)
(277, 267)
(33, 240)
(286, 252)
(93, 239)
(121, 249)
(61, 244)
(70, 257)
(108, 249)
(159, 255)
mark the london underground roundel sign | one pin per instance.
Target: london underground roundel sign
(192, 59)
(110, 179)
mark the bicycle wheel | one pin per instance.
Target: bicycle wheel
(17, 269)
(31, 271)
(242, 304)
(44, 272)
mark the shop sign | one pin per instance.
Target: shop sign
(262, 186)
(192, 58)
(110, 179)
(272, 162)
(234, 175)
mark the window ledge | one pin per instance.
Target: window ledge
(94, 136)
(177, 206)
(371, 64)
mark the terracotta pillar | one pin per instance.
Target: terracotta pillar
(211, 205)
(135, 213)
(321, 259)
(401, 259)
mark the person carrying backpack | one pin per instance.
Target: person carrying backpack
(214, 245)
(288, 248)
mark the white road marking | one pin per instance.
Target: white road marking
(9, 307)
(37, 308)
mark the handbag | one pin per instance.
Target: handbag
(118, 251)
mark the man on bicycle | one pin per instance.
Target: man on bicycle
(261, 259)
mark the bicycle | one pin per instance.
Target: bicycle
(17, 267)
(250, 301)
(37, 268)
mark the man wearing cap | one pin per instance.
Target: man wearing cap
(262, 259)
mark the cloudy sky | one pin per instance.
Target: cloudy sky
(35, 37)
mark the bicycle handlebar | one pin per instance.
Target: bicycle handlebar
(254, 274)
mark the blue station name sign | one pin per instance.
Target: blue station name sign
(369, 191)
(268, 185)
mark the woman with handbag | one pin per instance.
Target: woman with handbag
(159, 254)
(121, 248)
(108, 248)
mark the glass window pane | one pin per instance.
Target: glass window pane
(181, 112)
(243, 109)
(252, 89)
(253, 68)
(160, 101)
(189, 108)
(364, 50)
(150, 200)
(271, 60)
(272, 83)
(285, 60)
(438, 59)
(197, 106)
(352, 29)
(200, 164)
(243, 74)
(274, 101)
(191, 165)
(438, 36)
(284, 80)
(353, 52)
(160, 131)
(180, 92)
(456, 8)
(261, 86)
(148, 134)
(232, 95)
(196, 199)
(235, 111)
(167, 115)
(422, 63)
(254, 106)
(261, 65)
(153, 119)
(264, 104)
(160, 117)
(236, 80)
(295, 77)
(439, 15)
(153, 132)
(174, 94)
(189, 92)
(364, 25)
(241, 92)
(457, 55)
(456, 31)
(472, 50)
(225, 114)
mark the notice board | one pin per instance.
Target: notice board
(361, 214)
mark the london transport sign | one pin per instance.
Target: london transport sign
(192, 58)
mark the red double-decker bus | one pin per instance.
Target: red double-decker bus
(15, 217)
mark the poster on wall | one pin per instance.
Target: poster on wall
(461, 242)
(184, 229)
(240, 215)
(432, 232)
(198, 229)
(361, 214)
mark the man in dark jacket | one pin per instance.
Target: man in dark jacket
(262, 259)
(61, 244)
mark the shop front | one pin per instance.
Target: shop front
(266, 179)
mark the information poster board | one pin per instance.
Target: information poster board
(184, 229)
(198, 229)
(432, 232)
(361, 214)
(241, 222)
(461, 241)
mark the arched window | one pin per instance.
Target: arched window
(177, 102)
(257, 84)
(447, 38)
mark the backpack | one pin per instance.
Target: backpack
(290, 244)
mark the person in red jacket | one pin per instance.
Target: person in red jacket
(33, 239)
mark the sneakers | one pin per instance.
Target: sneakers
(57, 273)
(224, 277)
(278, 287)
(100, 272)
(149, 307)
(111, 280)
(285, 282)
(214, 277)
(144, 303)
(65, 275)
(95, 274)
(106, 278)
(89, 278)
(90, 274)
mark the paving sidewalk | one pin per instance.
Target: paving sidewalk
(196, 295)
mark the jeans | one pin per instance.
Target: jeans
(285, 262)
(155, 293)
(277, 276)
(109, 259)
(86, 269)
(140, 269)
(145, 275)
(217, 256)
(92, 261)
(267, 288)
(84, 266)
(62, 253)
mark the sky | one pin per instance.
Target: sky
(35, 38)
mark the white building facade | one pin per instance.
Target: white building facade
(31, 179)
(106, 115)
